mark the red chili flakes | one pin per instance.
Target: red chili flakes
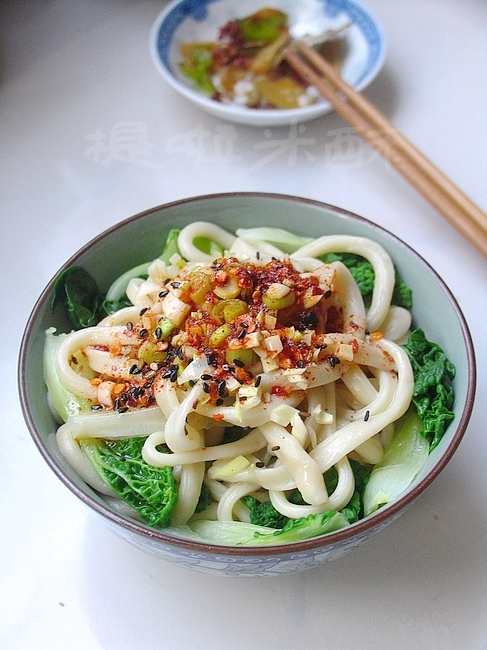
(280, 391)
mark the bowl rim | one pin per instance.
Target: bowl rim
(260, 117)
(363, 526)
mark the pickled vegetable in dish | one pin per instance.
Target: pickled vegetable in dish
(247, 389)
(244, 65)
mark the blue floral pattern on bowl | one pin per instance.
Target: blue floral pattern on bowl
(187, 20)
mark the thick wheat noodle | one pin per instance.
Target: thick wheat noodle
(337, 500)
(231, 498)
(202, 229)
(375, 254)
(78, 461)
(250, 444)
(345, 440)
(376, 387)
(188, 492)
(349, 436)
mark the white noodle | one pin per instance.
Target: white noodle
(304, 470)
(345, 408)
(188, 493)
(250, 444)
(231, 498)
(202, 229)
(345, 440)
(375, 254)
(70, 449)
(102, 336)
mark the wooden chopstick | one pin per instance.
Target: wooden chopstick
(374, 127)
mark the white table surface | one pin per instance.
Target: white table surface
(73, 70)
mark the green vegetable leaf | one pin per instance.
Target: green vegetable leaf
(262, 27)
(204, 500)
(197, 67)
(239, 533)
(402, 295)
(304, 528)
(234, 433)
(402, 460)
(359, 267)
(78, 291)
(170, 246)
(63, 401)
(151, 491)
(354, 510)
(433, 385)
(263, 513)
(111, 306)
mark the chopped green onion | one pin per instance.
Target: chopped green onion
(242, 357)
(166, 327)
(219, 335)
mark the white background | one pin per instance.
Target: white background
(72, 69)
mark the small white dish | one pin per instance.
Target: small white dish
(184, 21)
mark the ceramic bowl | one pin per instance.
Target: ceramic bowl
(140, 238)
(185, 21)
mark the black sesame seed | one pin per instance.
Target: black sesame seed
(366, 416)
(124, 409)
(97, 407)
(149, 382)
(163, 293)
(334, 361)
(239, 363)
(143, 310)
(175, 285)
(275, 448)
(300, 363)
(259, 463)
(222, 389)
(129, 326)
(143, 333)
(328, 294)
(242, 333)
(219, 402)
(168, 373)
(134, 370)
(257, 381)
(158, 332)
(206, 377)
(206, 388)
